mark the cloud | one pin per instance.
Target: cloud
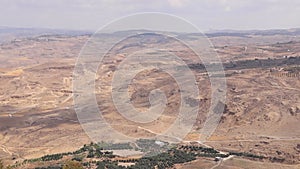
(177, 3)
(227, 8)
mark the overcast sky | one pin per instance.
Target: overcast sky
(206, 14)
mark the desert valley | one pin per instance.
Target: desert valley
(259, 127)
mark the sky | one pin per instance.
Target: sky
(205, 14)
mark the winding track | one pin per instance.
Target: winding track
(4, 148)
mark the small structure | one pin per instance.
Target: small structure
(160, 143)
(218, 158)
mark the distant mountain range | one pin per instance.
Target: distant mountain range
(11, 33)
(269, 32)
(226, 32)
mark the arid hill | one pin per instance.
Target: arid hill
(261, 116)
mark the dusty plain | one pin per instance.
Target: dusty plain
(262, 112)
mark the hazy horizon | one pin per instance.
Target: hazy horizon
(91, 31)
(90, 15)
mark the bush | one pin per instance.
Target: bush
(52, 157)
(49, 167)
(1, 165)
(79, 159)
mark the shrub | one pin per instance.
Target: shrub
(1, 165)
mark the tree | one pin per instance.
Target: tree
(73, 165)
(9, 167)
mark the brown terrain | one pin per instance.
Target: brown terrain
(262, 111)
